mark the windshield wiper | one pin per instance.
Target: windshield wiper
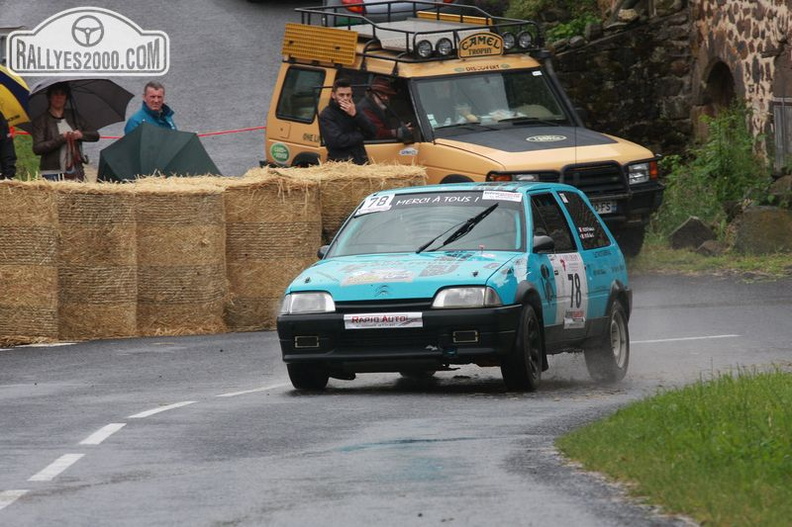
(462, 230)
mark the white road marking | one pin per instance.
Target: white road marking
(159, 409)
(102, 434)
(7, 497)
(684, 338)
(254, 390)
(56, 467)
(40, 345)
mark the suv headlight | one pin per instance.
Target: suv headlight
(315, 302)
(642, 172)
(473, 296)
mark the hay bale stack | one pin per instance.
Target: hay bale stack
(344, 185)
(182, 286)
(28, 267)
(97, 264)
(273, 229)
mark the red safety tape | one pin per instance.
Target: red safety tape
(204, 134)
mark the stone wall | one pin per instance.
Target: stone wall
(656, 66)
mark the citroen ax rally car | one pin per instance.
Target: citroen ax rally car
(480, 94)
(421, 279)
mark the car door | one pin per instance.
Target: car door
(565, 270)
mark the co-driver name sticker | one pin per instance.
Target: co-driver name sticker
(383, 320)
(501, 196)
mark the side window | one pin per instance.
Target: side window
(300, 94)
(549, 220)
(589, 226)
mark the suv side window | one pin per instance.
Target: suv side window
(589, 226)
(549, 220)
(300, 94)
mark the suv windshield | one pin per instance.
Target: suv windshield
(407, 222)
(499, 97)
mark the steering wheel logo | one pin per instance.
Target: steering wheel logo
(87, 31)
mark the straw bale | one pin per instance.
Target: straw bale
(344, 185)
(273, 231)
(97, 302)
(181, 319)
(28, 269)
(78, 321)
(26, 203)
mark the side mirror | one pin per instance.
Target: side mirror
(322, 251)
(543, 244)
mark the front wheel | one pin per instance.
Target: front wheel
(608, 360)
(522, 369)
(308, 376)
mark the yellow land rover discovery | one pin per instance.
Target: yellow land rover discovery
(480, 96)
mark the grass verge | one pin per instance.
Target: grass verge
(658, 258)
(719, 451)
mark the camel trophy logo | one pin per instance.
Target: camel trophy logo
(88, 41)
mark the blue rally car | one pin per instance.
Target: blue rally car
(495, 274)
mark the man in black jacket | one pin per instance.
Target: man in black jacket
(343, 128)
(7, 151)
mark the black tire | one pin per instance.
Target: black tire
(630, 239)
(456, 178)
(308, 376)
(608, 361)
(522, 370)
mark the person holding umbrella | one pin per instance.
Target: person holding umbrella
(7, 151)
(58, 134)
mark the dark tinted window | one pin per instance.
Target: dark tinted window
(549, 220)
(589, 226)
(299, 95)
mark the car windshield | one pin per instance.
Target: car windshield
(500, 98)
(426, 220)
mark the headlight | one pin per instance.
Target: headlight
(509, 40)
(642, 172)
(307, 303)
(454, 297)
(424, 49)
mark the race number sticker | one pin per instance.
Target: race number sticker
(496, 195)
(375, 204)
(572, 289)
(383, 320)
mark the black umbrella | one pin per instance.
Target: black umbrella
(149, 149)
(99, 102)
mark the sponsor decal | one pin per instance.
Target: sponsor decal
(280, 152)
(409, 151)
(480, 45)
(499, 195)
(88, 40)
(546, 138)
(383, 320)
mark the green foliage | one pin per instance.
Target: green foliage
(717, 451)
(723, 170)
(576, 26)
(27, 161)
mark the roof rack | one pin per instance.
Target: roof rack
(426, 32)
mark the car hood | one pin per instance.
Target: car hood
(552, 145)
(403, 275)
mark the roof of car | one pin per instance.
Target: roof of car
(510, 186)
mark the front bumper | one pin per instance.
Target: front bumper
(448, 336)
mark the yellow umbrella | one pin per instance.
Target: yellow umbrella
(14, 95)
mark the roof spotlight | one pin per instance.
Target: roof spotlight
(509, 40)
(444, 47)
(525, 40)
(424, 49)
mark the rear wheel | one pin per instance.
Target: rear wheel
(308, 376)
(608, 360)
(522, 369)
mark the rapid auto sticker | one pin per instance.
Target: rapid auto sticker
(383, 320)
(572, 289)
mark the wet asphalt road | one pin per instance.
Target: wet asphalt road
(206, 430)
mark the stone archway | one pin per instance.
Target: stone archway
(718, 91)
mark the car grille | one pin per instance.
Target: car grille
(380, 306)
(606, 178)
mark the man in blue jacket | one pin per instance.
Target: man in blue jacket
(153, 111)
